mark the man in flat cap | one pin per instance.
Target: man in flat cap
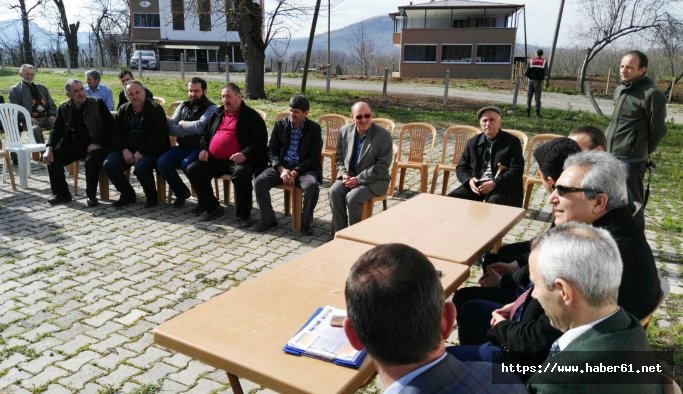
(492, 164)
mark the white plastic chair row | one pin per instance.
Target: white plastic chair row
(9, 117)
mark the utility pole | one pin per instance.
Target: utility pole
(329, 62)
(552, 50)
(310, 46)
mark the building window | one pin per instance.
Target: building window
(419, 53)
(456, 53)
(494, 53)
(178, 13)
(204, 12)
(482, 22)
(146, 20)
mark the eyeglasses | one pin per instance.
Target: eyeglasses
(366, 116)
(562, 190)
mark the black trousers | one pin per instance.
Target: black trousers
(634, 183)
(464, 192)
(201, 173)
(67, 154)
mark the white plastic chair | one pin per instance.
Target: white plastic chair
(9, 117)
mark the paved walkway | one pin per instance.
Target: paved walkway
(81, 288)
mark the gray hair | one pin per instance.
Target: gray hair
(70, 83)
(26, 67)
(584, 255)
(604, 173)
(94, 74)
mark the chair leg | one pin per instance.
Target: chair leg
(384, 205)
(401, 179)
(104, 185)
(216, 189)
(496, 245)
(10, 170)
(297, 197)
(444, 182)
(73, 169)
(226, 191)
(161, 187)
(527, 195)
(423, 178)
(367, 210)
(288, 202)
(333, 169)
(435, 176)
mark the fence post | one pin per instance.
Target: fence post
(140, 64)
(609, 71)
(68, 62)
(384, 86)
(445, 88)
(182, 66)
(329, 76)
(279, 73)
(515, 94)
(227, 69)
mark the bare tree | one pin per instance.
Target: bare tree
(110, 23)
(24, 9)
(309, 48)
(70, 32)
(251, 20)
(669, 35)
(362, 49)
(602, 22)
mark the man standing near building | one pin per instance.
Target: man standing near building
(82, 131)
(638, 124)
(126, 76)
(187, 125)
(234, 143)
(294, 152)
(37, 101)
(535, 71)
(491, 165)
(139, 136)
(364, 152)
(96, 89)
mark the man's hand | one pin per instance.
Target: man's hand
(128, 156)
(486, 187)
(351, 182)
(501, 314)
(490, 279)
(286, 176)
(181, 124)
(93, 147)
(137, 156)
(473, 185)
(48, 156)
(503, 268)
(238, 158)
(51, 119)
(204, 155)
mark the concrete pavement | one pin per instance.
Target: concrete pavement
(81, 288)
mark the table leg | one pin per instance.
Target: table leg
(235, 383)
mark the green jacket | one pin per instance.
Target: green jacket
(618, 340)
(638, 121)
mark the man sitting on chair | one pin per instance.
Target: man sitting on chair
(37, 101)
(294, 152)
(187, 124)
(364, 152)
(492, 165)
(82, 131)
(126, 76)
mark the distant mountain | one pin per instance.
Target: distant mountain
(42, 39)
(378, 29)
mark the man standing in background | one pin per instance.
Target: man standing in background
(535, 70)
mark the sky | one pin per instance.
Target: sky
(541, 16)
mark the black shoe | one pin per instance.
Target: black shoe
(213, 214)
(306, 231)
(123, 201)
(244, 222)
(538, 113)
(151, 203)
(198, 210)
(180, 201)
(92, 202)
(263, 227)
(59, 200)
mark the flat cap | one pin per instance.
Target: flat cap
(488, 108)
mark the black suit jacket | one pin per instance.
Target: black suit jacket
(507, 150)
(310, 146)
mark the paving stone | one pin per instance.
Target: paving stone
(204, 386)
(80, 342)
(158, 372)
(78, 379)
(113, 358)
(101, 318)
(121, 374)
(190, 374)
(41, 363)
(112, 342)
(47, 375)
(148, 357)
(75, 363)
(131, 317)
(13, 376)
(40, 330)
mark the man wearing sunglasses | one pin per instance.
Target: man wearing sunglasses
(591, 190)
(364, 152)
(491, 165)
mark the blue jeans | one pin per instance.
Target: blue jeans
(116, 166)
(169, 161)
(487, 352)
